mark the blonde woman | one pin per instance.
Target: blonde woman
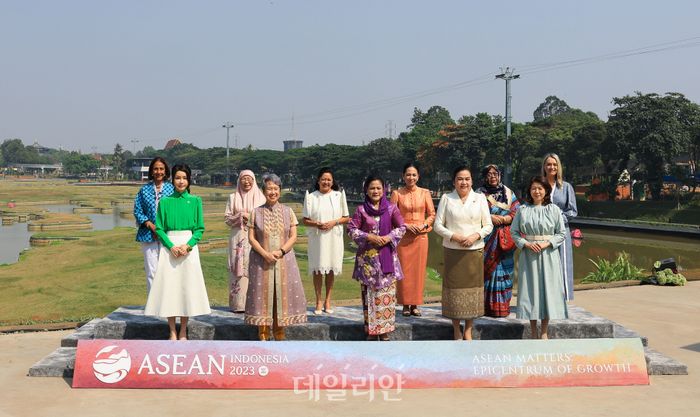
(564, 197)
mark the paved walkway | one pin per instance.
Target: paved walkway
(670, 317)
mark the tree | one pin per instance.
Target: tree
(148, 152)
(118, 160)
(78, 164)
(384, 157)
(14, 151)
(652, 128)
(551, 106)
(585, 150)
(424, 129)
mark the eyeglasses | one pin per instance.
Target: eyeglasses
(492, 174)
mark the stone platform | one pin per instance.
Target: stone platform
(128, 322)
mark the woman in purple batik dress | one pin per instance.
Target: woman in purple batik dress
(377, 227)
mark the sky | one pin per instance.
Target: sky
(86, 75)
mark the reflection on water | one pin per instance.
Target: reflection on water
(644, 249)
(15, 238)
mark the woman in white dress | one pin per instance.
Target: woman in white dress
(325, 212)
(240, 203)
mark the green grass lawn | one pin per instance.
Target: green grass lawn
(92, 276)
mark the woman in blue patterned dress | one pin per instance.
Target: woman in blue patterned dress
(145, 209)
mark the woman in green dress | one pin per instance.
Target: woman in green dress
(178, 287)
(538, 230)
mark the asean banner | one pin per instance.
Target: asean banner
(312, 365)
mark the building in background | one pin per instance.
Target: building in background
(293, 144)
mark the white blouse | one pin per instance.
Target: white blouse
(464, 218)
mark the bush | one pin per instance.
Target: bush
(666, 277)
(619, 270)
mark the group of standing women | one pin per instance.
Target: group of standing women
(480, 231)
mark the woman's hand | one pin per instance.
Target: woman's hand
(376, 241)
(496, 220)
(385, 240)
(415, 229)
(466, 241)
(175, 251)
(538, 247)
(326, 226)
(277, 254)
(269, 257)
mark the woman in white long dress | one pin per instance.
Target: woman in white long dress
(240, 203)
(325, 212)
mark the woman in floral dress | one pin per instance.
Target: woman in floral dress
(377, 227)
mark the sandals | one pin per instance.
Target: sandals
(415, 311)
(406, 311)
(384, 337)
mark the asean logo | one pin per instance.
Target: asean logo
(111, 367)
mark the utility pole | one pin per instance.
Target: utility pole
(389, 128)
(228, 126)
(508, 74)
(135, 141)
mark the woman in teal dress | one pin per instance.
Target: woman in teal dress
(178, 287)
(538, 230)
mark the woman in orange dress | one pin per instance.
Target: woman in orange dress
(417, 208)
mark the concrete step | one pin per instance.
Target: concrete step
(59, 363)
(128, 322)
(346, 323)
(660, 364)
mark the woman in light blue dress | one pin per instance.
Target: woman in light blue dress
(538, 230)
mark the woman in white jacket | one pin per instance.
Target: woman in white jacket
(463, 220)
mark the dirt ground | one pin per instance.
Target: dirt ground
(670, 317)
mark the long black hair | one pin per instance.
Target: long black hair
(188, 172)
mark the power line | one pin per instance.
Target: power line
(354, 110)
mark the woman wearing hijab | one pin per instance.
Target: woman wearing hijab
(240, 203)
(377, 227)
(499, 247)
